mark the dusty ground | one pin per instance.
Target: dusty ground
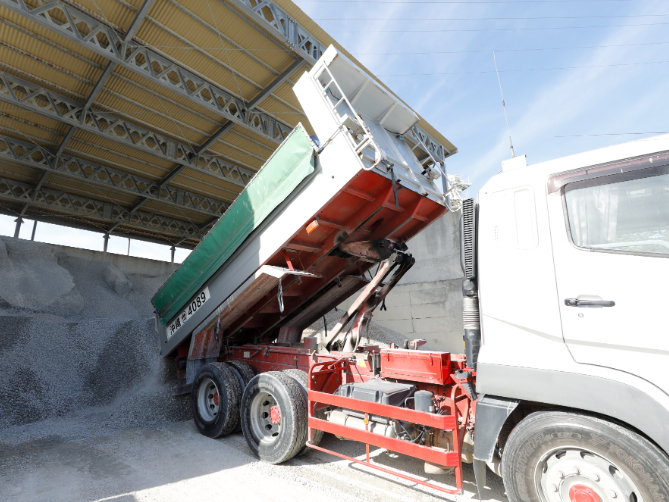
(175, 463)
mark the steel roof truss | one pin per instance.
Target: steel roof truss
(271, 87)
(36, 156)
(90, 208)
(69, 111)
(104, 40)
(293, 34)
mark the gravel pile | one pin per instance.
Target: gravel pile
(78, 348)
(79, 352)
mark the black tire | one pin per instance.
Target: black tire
(222, 421)
(302, 378)
(244, 371)
(270, 441)
(555, 451)
(244, 375)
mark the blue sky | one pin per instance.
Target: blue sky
(616, 83)
(465, 105)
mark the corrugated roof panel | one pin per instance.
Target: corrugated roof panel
(220, 193)
(117, 160)
(197, 28)
(126, 150)
(287, 114)
(244, 138)
(167, 96)
(45, 33)
(155, 36)
(32, 47)
(149, 107)
(239, 32)
(28, 122)
(176, 212)
(206, 180)
(118, 15)
(159, 121)
(240, 149)
(42, 74)
(19, 172)
(72, 186)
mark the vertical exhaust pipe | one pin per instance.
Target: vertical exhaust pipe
(470, 300)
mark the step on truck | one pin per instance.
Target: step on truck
(564, 269)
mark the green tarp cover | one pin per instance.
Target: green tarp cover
(282, 173)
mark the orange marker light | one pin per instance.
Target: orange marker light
(312, 226)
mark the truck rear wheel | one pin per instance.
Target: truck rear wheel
(274, 417)
(215, 399)
(560, 456)
(244, 375)
(243, 370)
(302, 377)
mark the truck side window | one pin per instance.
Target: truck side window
(515, 220)
(626, 213)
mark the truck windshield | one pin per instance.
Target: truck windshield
(626, 215)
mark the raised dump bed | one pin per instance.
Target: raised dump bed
(275, 259)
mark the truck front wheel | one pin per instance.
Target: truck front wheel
(560, 456)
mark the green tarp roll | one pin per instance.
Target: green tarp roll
(282, 173)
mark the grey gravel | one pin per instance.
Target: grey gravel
(117, 280)
(78, 348)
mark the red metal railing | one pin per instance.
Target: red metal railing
(433, 420)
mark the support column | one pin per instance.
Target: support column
(18, 221)
(106, 238)
(173, 249)
(128, 246)
(32, 237)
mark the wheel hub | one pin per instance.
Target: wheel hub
(208, 400)
(577, 475)
(265, 417)
(275, 414)
(581, 493)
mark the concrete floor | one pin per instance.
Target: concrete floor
(176, 464)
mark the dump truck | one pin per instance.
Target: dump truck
(547, 392)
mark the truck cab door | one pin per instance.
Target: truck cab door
(610, 234)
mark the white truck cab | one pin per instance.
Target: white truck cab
(572, 269)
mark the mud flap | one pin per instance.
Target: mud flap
(480, 476)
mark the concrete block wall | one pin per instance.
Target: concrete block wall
(128, 264)
(427, 303)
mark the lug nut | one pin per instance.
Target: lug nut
(554, 488)
(612, 494)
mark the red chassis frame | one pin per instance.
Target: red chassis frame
(433, 371)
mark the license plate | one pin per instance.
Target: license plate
(187, 312)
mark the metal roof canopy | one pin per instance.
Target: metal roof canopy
(146, 118)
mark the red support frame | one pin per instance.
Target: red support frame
(318, 398)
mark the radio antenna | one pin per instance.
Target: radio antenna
(513, 155)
